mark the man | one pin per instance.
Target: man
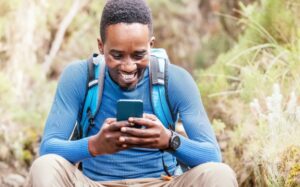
(115, 153)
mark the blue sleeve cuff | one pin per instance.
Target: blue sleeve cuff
(194, 153)
(85, 146)
(73, 151)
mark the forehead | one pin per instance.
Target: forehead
(127, 34)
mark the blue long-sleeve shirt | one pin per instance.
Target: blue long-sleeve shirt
(184, 98)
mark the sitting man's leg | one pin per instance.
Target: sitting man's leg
(208, 174)
(54, 170)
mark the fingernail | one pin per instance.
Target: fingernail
(123, 129)
(124, 145)
(122, 139)
(130, 119)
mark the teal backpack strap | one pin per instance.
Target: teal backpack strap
(159, 97)
(96, 73)
(159, 82)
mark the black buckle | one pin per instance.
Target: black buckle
(90, 118)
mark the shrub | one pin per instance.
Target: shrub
(266, 53)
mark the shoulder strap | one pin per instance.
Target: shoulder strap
(96, 73)
(159, 87)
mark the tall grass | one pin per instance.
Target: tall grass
(262, 141)
(276, 137)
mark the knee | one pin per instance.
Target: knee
(214, 173)
(46, 163)
(46, 169)
(216, 168)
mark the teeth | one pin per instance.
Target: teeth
(127, 76)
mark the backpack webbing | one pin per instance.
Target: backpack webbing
(159, 91)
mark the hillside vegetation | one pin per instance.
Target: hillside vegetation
(252, 94)
(244, 55)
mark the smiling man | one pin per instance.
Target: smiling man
(114, 153)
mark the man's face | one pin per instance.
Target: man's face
(126, 52)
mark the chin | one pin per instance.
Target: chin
(129, 87)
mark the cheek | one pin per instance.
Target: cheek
(111, 63)
(144, 63)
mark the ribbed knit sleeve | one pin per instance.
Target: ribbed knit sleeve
(184, 96)
(63, 115)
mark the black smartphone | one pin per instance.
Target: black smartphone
(129, 108)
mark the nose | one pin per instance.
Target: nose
(129, 65)
(128, 61)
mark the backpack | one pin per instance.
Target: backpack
(158, 72)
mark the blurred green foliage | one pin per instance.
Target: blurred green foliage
(266, 53)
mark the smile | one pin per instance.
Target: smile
(128, 77)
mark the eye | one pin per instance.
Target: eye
(117, 56)
(138, 55)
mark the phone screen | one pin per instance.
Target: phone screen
(129, 108)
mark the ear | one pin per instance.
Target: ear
(152, 40)
(100, 46)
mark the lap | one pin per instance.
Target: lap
(54, 170)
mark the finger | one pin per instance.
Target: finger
(150, 116)
(109, 120)
(129, 140)
(117, 125)
(123, 147)
(143, 133)
(127, 146)
(117, 140)
(112, 137)
(150, 145)
(113, 140)
(142, 121)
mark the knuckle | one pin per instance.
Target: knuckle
(104, 129)
(156, 134)
(153, 116)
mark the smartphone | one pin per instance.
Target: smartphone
(129, 108)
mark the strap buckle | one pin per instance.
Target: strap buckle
(90, 118)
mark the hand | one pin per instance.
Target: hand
(155, 135)
(107, 140)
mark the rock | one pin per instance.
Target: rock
(14, 180)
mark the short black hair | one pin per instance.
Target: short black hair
(125, 11)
